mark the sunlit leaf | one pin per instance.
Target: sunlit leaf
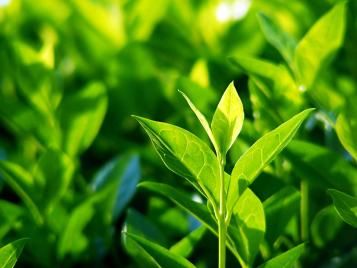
(228, 119)
(345, 205)
(186, 155)
(286, 259)
(323, 39)
(11, 252)
(261, 153)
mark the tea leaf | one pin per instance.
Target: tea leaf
(261, 153)
(284, 43)
(286, 259)
(202, 120)
(345, 205)
(186, 245)
(81, 116)
(11, 252)
(323, 39)
(346, 127)
(161, 255)
(228, 119)
(186, 155)
(247, 227)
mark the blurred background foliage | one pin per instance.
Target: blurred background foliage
(71, 74)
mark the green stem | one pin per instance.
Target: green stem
(222, 228)
(304, 209)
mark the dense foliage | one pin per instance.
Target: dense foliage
(80, 184)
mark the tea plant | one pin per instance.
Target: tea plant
(233, 213)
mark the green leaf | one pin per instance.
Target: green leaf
(81, 116)
(255, 66)
(9, 215)
(53, 175)
(121, 176)
(323, 39)
(346, 127)
(286, 259)
(162, 256)
(325, 226)
(345, 205)
(202, 120)
(228, 119)
(11, 252)
(23, 185)
(279, 209)
(182, 200)
(284, 43)
(260, 154)
(247, 227)
(186, 245)
(308, 158)
(186, 155)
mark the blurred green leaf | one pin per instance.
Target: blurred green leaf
(286, 259)
(11, 252)
(23, 184)
(186, 245)
(261, 153)
(345, 205)
(121, 176)
(346, 127)
(53, 174)
(323, 39)
(9, 214)
(321, 166)
(227, 120)
(81, 116)
(279, 210)
(186, 155)
(325, 226)
(284, 43)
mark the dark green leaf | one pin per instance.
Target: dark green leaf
(345, 205)
(286, 259)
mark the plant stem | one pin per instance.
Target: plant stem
(222, 228)
(304, 209)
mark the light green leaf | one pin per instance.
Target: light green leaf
(346, 127)
(202, 120)
(284, 43)
(161, 255)
(23, 185)
(345, 205)
(323, 39)
(52, 176)
(81, 116)
(186, 155)
(247, 227)
(228, 119)
(11, 252)
(186, 245)
(286, 259)
(255, 66)
(260, 154)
